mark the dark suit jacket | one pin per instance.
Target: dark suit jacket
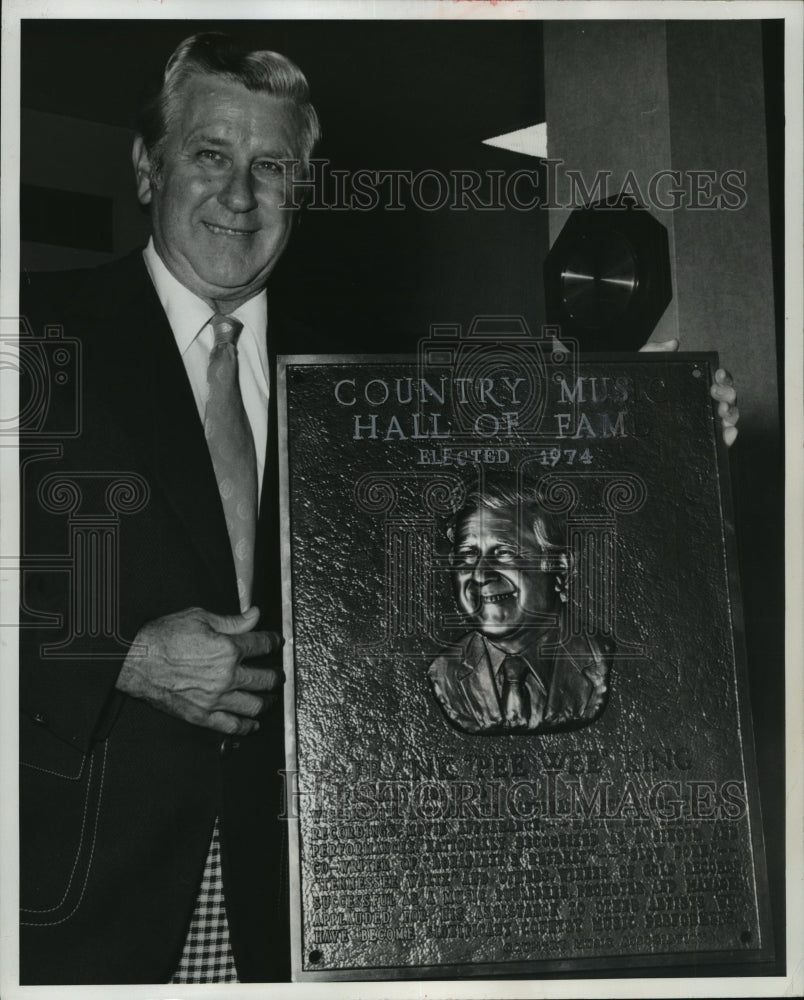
(118, 799)
(564, 690)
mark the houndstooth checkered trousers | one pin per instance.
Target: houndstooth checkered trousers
(207, 956)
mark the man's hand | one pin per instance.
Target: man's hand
(722, 390)
(193, 668)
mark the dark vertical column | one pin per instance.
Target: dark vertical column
(606, 107)
(724, 272)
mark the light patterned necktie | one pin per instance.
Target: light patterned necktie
(231, 447)
(515, 700)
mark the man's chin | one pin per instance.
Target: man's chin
(230, 287)
(233, 281)
(497, 630)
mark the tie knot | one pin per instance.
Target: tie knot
(226, 329)
(514, 669)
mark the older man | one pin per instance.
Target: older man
(151, 845)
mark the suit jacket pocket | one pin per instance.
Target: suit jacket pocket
(60, 798)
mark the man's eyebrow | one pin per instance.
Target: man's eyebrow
(276, 153)
(210, 140)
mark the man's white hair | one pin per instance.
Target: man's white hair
(216, 54)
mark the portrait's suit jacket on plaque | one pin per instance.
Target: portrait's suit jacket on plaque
(118, 799)
(563, 690)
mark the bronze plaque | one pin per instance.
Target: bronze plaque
(518, 732)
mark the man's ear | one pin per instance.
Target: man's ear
(564, 560)
(143, 170)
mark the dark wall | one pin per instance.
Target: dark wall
(391, 95)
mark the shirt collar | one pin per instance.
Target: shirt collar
(188, 314)
(529, 654)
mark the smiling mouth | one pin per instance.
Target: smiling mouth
(509, 595)
(225, 231)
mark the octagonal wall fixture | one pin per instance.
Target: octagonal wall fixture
(607, 276)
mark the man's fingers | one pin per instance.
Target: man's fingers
(729, 415)
(234, 624)
(256, 643)
(231, 725)
(665, 345)
(221, 720)
(722, 377)
(729, 435)
(241, 703)
(724, 393)
(248, 678)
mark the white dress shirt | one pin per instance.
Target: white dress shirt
(189, 318)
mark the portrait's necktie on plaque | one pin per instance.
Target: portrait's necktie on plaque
(231, 447)
(515, 700)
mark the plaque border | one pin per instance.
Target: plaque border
(745, 962)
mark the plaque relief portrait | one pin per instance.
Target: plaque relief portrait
(511, 673)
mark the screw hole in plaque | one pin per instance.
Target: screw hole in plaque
(746, 936)
(315, 956)
(696, 372)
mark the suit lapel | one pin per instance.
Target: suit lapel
(267, 562)
(477, 678)
(153, 396)
(183, 464)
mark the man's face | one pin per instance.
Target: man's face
(497, 576)
(215, 199)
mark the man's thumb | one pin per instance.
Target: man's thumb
(235, 624)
